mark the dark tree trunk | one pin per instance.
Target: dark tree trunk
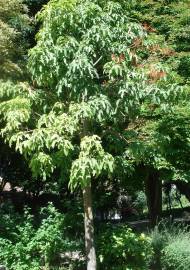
(184, 188)
(89, 229)
(153, 189)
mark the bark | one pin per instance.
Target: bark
(88, 217)
(153, 188)
(89, 229)
(184, 188)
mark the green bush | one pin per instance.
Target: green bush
(158, 241)
(171, 245)
(176, 253)
(31, 245)
(120, 248)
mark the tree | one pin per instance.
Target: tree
(168, 23)
(14, 27)
(14, 24)
(93, 91)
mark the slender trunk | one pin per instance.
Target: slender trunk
(153, 188)
(89, 228)
(88, 218)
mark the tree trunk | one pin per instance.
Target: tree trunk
(89, 229)
(153, 188)
(183, 187)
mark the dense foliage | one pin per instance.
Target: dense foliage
(35, 242)
(171, 245)
(120, 248)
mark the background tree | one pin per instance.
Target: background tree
(14, 28)
(14, 25)
(168, 23)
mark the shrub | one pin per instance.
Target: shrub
(120, 248)
(176, 253)
(171, 245)
(158, 241)
(33, 246)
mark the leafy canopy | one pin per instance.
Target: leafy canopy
(86, 63)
